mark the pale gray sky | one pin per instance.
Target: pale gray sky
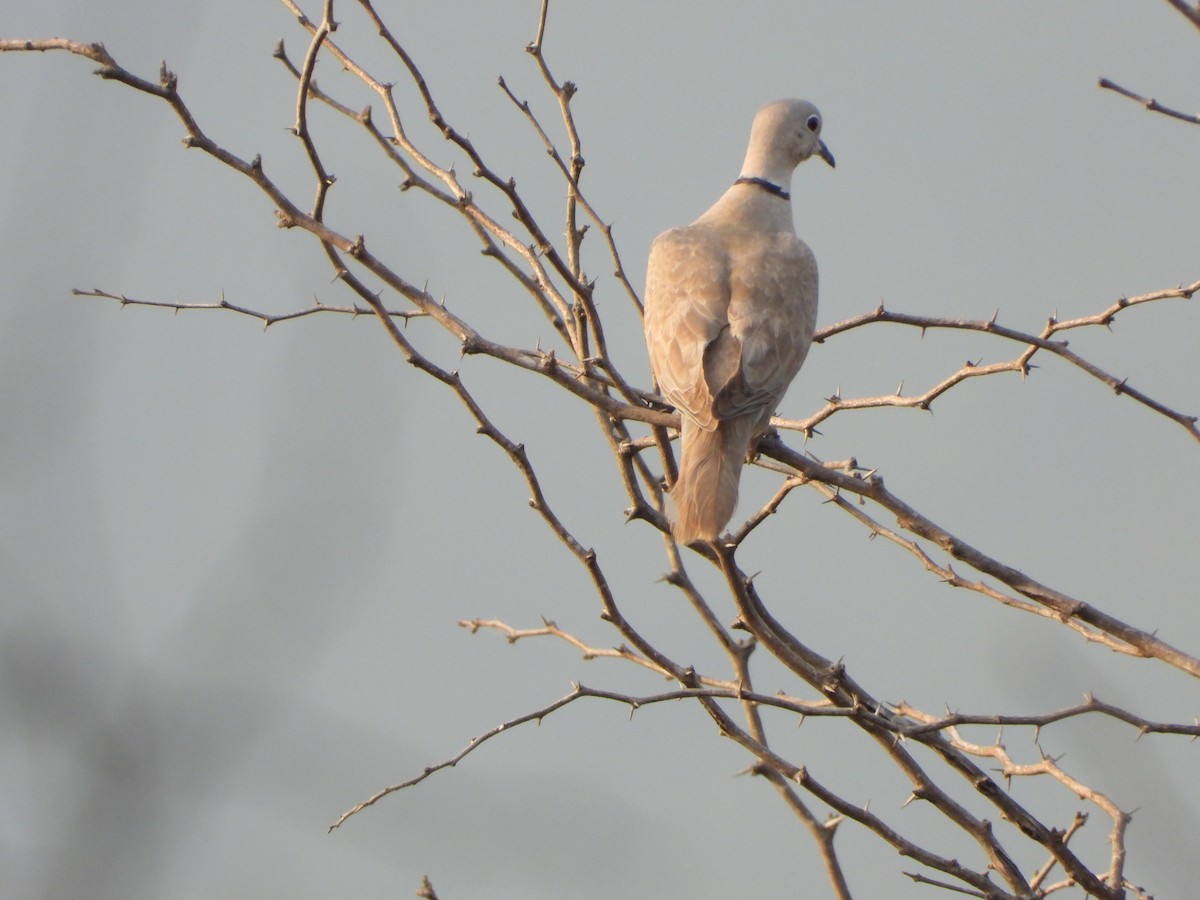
(231, 563)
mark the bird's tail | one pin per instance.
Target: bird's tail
(710, 464)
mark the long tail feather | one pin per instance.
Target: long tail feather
(706, 492)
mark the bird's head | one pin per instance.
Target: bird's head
(787, 132)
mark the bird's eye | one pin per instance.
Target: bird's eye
(813, 123)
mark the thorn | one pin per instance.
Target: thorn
(166, 78)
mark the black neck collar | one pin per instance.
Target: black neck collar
(767, 186)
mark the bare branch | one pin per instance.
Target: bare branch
(953, 579)
(1019, 364)
(550, 629)
(1089, 705)
(268, 319)
(1149, 102)
(1040, 875)
(578, 691)
(313, 91)
(1064, 606)
(1191, 13)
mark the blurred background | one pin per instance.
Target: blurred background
(232, 559)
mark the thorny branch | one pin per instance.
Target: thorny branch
(1033, 343)
(580, 691)
(553, 277)
(1190, 12)
(1063, 606)
(268, 319)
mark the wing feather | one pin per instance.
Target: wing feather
(687, 303)
(728, 321)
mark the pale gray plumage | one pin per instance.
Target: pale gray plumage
(731, 305)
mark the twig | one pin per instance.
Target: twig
(1020, 364)
(952, 579)
(933, 882)
(1048, 766)
(1063, 605)
(578, 691)
(1149, 102)
(551, 629)
(1191, 13)
(1089, 705)
(268, 319)
(1040, 875)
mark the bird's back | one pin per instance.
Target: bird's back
(733, 298)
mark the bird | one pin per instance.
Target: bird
(729, 315)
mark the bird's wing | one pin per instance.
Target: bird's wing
(772, 315)
(687, 306)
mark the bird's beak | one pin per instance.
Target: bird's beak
(824, 153)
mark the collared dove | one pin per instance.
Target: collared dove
(731, 305)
